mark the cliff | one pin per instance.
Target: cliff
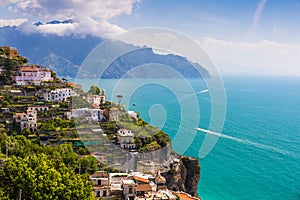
(184, 175)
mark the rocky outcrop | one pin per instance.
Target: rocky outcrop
(184, 175)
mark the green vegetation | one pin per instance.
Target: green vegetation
(43, 172)
(35, 177)
(94, 90)
(49, 161)
(147, 137)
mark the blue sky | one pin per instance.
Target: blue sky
(241, 36)
(279, 20)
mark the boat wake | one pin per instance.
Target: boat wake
(248, 142)
(202, 91)
(186, 96)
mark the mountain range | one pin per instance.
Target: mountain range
(65, 54)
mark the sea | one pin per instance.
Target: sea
(257, 153)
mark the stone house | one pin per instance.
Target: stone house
(112, 114)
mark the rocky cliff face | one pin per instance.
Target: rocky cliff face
(184, 175)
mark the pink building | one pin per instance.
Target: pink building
(32, 75)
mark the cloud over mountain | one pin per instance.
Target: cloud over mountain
(88, 17)
(12, 22)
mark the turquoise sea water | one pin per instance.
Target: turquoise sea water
(259, 158)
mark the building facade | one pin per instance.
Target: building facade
(126, 138)
(101, 184)
(96, 99)
(26, 120)
(32, 75)
(58, 95)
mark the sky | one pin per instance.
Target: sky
(248, 37)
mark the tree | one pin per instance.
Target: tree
(138, 142)
(82, 151)
(3, 196)
(5, 103)
(94, 90)
(39, 177)
(120, 98)
(69, 157)
(64, 80)
(162, 138)
(88, 164)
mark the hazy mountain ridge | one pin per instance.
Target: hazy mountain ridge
(36, 46)
(65, 54)
(146, 56)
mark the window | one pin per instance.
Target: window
(130, 190)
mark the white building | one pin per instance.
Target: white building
(88, 113)
(58, 95)
(133, 115)
(126, 138)
(38, 108)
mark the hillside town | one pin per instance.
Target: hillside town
(35, 103)
(134, 185)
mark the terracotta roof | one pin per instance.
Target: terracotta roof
(114, 108)
(19, 114)
(141, 179)
(101, 187)
(124, 129)
(95, 106)
(28, 69)
(185, 196)
(143, 187)
(71, 84)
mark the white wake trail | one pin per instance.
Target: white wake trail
(248, 142)
(202, 91)
(186, 96)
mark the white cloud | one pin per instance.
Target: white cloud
(12, 22)
(7, 2)
(91, 17)
(256, 18)
(80, 28)
(58, 29)
(256, 58)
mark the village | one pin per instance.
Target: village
(134, 185)
(37, 104)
